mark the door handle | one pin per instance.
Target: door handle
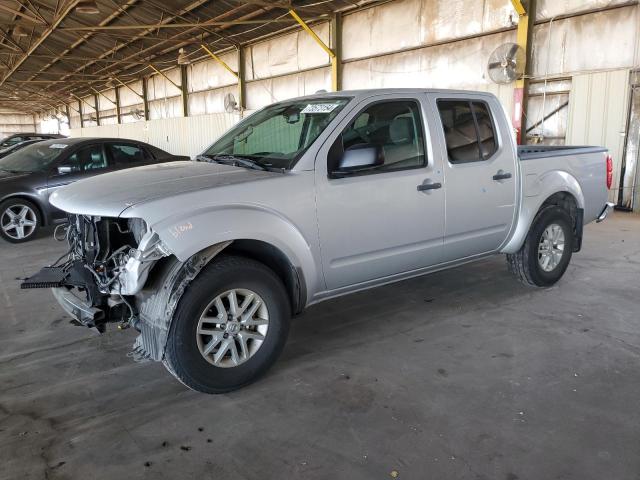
(501, 176)
(429, 186)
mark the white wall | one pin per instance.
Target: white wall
(598, 115)
(180, 136)
(16, 122)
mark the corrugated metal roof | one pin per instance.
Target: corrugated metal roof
(49, 49)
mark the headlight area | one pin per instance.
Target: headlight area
(108, 262)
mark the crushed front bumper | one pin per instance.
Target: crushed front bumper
(78, 308)
(605, 211)
(64, 283)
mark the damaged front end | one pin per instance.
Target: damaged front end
(107, 265)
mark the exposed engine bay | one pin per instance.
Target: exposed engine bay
(108, 263)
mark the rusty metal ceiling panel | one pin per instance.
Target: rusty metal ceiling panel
(49, 50)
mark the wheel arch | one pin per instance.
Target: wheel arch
(170, 278)
(292, 277)
(559, 189)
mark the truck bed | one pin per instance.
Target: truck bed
(580, 170)
(533, 152)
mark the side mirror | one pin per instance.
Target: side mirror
(64, 169)
(360, 158)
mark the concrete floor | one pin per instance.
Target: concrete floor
(462, 374)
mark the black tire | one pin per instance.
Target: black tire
(16, 202)
(525, 265)
(182, 355)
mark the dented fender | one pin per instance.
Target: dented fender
(159, 299)
(186, 235)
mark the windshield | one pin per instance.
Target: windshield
(32, 158)
(278, 135)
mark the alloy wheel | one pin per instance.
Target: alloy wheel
(232, 328)
(19, 221)
(551, 247)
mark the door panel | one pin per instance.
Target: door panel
(378, 223)
(480, 172)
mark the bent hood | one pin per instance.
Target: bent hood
(108, 195)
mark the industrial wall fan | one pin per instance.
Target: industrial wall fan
(230, 103)
(506, 63)
(137, 114)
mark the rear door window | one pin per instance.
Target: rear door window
(127, 154)
(468, 130)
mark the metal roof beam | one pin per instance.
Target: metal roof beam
(24, 15)
(117, 48)
(48, 31)
(175, 25)
(84, 38)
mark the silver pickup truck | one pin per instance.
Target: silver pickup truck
(306, 200)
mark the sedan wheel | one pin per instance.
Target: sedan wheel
(18, 221)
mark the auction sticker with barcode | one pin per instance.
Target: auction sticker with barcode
(58, 145)
(319, 108)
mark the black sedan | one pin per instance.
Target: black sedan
(28, 177)
(23, 137)
(15, 147)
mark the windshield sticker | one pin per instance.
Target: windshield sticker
(58, 145)
(320, 108)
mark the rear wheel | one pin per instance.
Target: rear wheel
(230, 326)
(19, 220)
(547, 251)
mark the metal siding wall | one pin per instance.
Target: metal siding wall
(551, 8)
(263, 92)
(460, 65)
(598, 114)
(15, 122)
(209, 74)
(180, 136)
(210, 101)
(286, 54)
(413, 23)
(598, 41)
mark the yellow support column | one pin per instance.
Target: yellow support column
(239, 74)
(335, 63)
(523, 37)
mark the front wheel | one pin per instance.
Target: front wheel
(547, 250)
(19, 220)
(230, 326)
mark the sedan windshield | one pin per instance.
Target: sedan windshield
(32, 158)
(278, 135)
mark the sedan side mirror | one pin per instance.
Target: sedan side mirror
(65, 169)
(360, 158)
